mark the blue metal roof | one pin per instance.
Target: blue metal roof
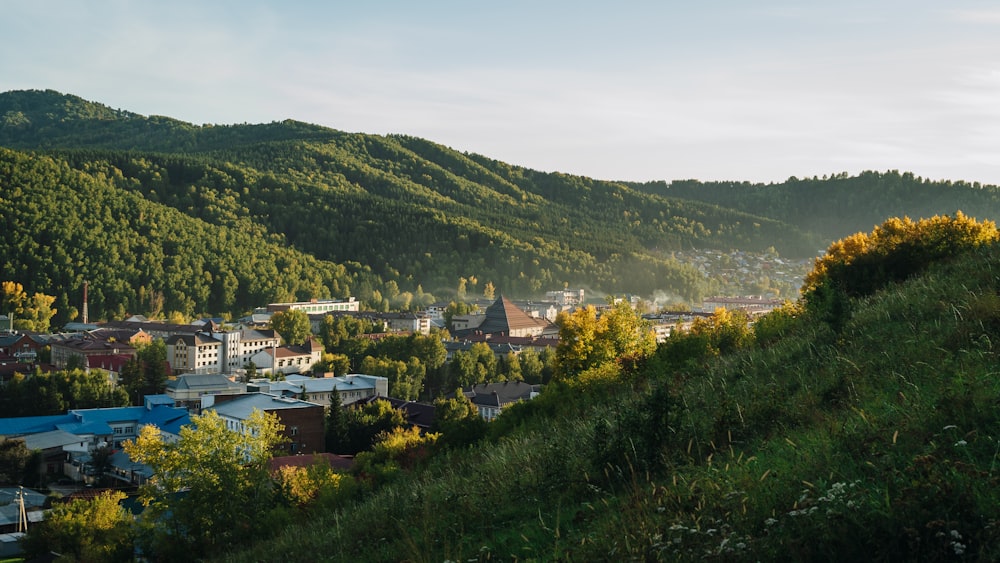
(32, 424)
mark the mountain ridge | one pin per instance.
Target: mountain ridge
(413, 216)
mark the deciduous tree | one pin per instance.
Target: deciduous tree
(210, 489)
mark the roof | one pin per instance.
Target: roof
(87, 345)
(243, 406)
(500, 394)
(51, 439)
(158, 400)
(504, 316)
(202, 382)
(22, 425)
(294, 384)
(197, 339)
(92, 421)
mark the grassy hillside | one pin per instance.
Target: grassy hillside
(878, 442)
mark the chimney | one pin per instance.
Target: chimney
(85, 303)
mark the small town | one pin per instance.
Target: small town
(234, 369)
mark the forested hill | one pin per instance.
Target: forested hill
(839, 205)
(410, 217)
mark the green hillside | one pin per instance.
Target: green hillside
(839, 205)
(63, 227)
(877, 441)
(394, 221)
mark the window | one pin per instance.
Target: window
(295, 431)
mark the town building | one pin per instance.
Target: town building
(317, 306)
(302, 421)
(351, 388)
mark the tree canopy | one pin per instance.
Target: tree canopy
(206, 485)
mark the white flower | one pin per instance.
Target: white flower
(770, 522)
(956, 535)
(961, 443)
(959, 548)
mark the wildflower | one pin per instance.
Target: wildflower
(956, 535)
(960, 443)
(770, 522)
(661, 509)
(958, 547)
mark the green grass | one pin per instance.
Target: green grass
(879, 442)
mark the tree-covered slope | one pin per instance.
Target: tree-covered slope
(414, 211)
(840, 205)
(63, 227)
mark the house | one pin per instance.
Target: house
(20, 347)
(155, 329)
(352, 387)
(570, 297)
(79, 349)
(303, 421)
(134, 336)
(408, 322)
(288, 359)
(186, 390)
(492, 398)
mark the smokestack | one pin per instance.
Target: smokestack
(85, 302)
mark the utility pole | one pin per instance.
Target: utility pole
(22, 518)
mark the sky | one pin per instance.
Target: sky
(627, 90)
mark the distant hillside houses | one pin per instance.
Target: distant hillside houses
(566, 297)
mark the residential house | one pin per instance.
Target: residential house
(492, 398)
(20, 347)
(570, 297)
(80, 349)
(240, 346)
(288, 359)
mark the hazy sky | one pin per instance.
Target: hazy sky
(625, 90)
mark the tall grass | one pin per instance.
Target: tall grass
(878, 442)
